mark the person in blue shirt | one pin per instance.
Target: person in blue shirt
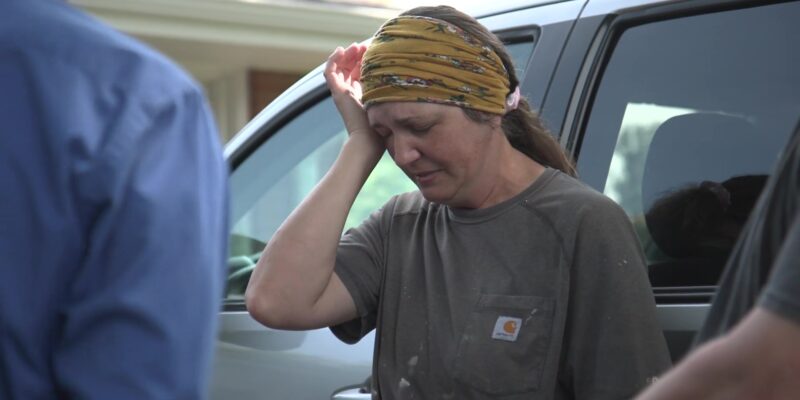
(113, 214)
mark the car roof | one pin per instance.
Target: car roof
(489, 8)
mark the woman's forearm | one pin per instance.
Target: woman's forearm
(297, 265)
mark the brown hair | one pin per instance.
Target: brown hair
(523, 127)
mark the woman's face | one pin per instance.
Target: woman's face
(451, 158)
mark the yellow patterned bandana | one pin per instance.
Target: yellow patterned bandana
(429, 60)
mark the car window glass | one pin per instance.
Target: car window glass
(275, 178)
(685, 126)
(520, 52)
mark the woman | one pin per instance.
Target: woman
(502, 276)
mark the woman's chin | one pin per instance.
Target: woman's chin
(434, 196)
(439, 196)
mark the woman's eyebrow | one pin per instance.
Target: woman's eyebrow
(416, 119)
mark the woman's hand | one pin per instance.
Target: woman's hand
(342, 73)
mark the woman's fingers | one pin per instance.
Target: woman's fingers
(361, 49)
(335, 76)
(343, 70)
(347, 61)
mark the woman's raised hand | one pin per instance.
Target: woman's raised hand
(342, 73)
(343, 70)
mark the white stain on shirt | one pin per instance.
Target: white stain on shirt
(403, 384)
(412, 362)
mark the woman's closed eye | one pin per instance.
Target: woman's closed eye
(420, 129)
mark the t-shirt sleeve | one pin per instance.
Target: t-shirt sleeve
(614, 345)
(782, 293)
(140, 317)
(359, 264)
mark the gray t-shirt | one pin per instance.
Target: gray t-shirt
(544, 296)
(768, 251)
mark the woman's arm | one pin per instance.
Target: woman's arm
(293, 285)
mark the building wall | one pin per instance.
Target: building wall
(265, 86)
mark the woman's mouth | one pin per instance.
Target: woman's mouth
(424, 178)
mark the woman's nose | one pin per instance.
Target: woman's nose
(403, 150)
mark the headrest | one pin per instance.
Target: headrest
(692, 148)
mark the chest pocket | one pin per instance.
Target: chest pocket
(504, 345)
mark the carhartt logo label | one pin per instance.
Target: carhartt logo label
(507, 328)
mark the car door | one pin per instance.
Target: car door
(678, 110)
(275, 161)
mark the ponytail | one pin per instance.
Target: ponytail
(526, 132)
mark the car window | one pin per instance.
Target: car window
(272, 181)
(520, 51)
(685, 125)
